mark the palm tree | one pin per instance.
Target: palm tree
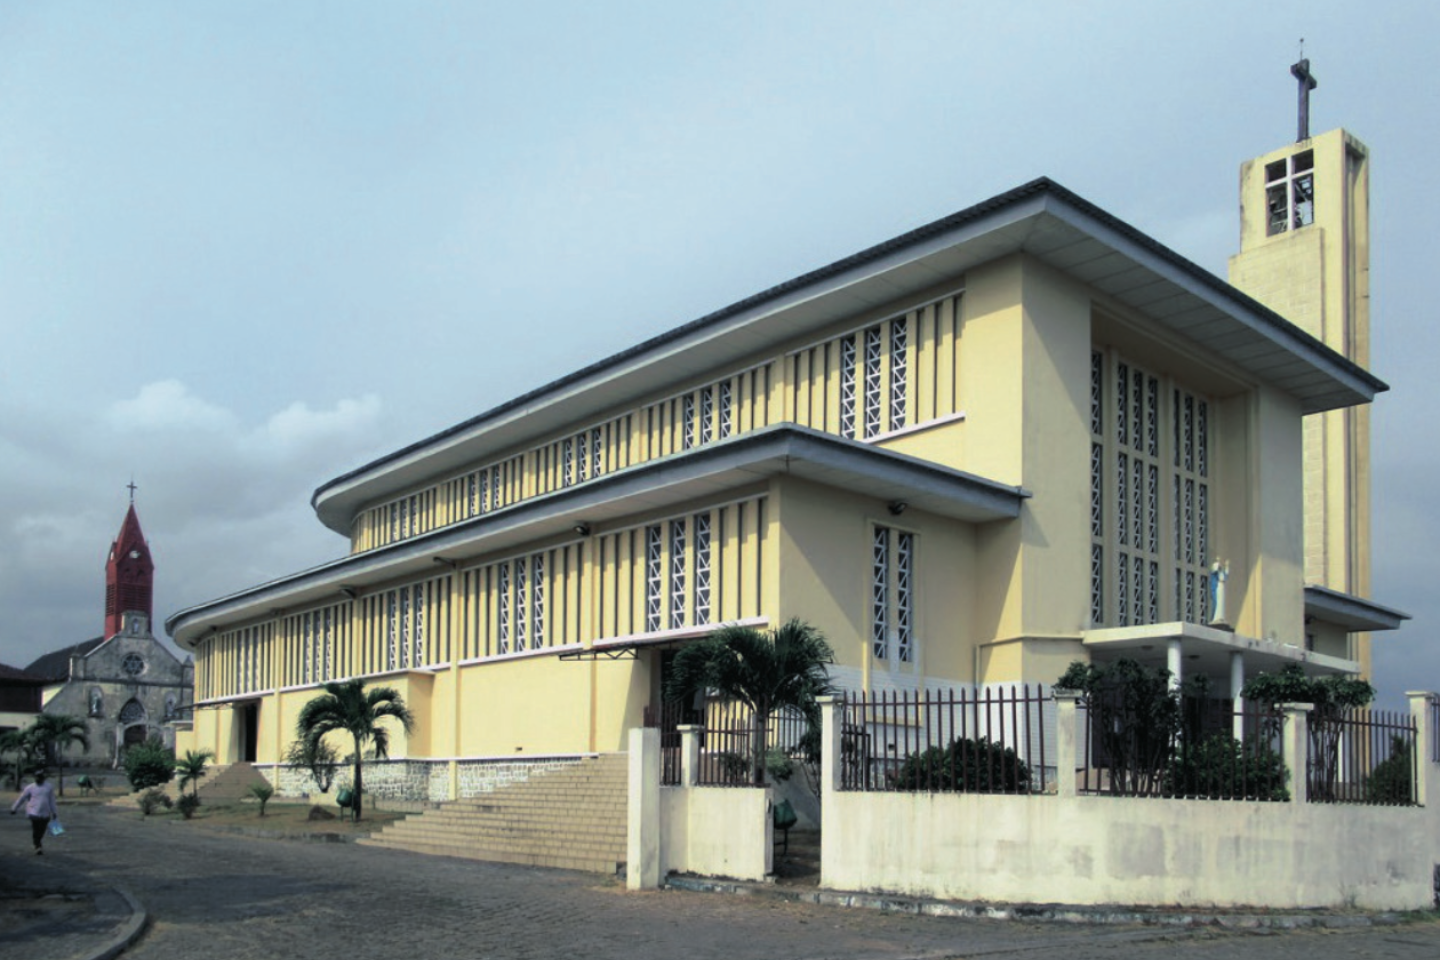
(54, 733)
(191, 768)
(22, 744)
(766, 671)
(348, 707)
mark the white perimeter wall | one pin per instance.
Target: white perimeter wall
(1101, 850)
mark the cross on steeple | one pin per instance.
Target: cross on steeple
(133, 488)
(1301, 72)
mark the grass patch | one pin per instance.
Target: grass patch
(282, 819)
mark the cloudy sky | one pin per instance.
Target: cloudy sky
(247, 247)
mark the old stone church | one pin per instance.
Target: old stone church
(125, 684)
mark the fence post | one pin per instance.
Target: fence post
(830, 724)
(1066, 741)
(1296, 747)
(642, 843)
(1420, 701)
(689, 753)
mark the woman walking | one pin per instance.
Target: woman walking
(39, 800)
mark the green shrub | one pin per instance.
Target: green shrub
(318, 757)
(734, 767)
(262, 792)
(965, 766)
(187, 805)
(149, 764)
(1392, 780)
(152, 800)
(1220, 767)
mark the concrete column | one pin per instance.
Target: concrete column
(1237, 683)
(1175, 662)
(1420, 701)
(831, 729)
(1296, 749)
(689, 754)
(830, 724)
(642, 845)
(1067, 740)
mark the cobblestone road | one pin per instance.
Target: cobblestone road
(225, 897)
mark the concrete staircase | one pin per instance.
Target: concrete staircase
(228, 784)
(574, 818)
(223, 784)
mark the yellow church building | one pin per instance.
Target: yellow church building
(1022, 435)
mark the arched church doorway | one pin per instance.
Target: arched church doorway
(134, 735)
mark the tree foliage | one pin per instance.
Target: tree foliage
(1135, 716)
(1393, 779)
(317, 756)
(149, 764)
(1333, 696)
(351, 709)
(53, 734)
(191, 769)
(766, 671)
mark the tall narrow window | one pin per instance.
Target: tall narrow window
(707, 414)
(654, 579)
(727, 410)
(873, 391)
(899, 372)
(880, 594)
(502, 616)
(904, 597)
(392, 631)
(677, 574)
(417, 632)
(537, 601)
(687, 429)
(522, 605)
(847, 387)
(702, 568)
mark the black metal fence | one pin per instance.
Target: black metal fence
(1363, 756)
(1202, 750)
(729, 739)
(992, 742)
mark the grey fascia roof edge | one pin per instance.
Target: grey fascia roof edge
(749, 457)
(1040, 196)
(1350, 611)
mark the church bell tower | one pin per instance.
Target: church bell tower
(1305, 253)
(129, 575)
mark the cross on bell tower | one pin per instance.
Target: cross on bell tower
(1301, 72)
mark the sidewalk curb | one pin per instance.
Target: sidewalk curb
(128, 932)
(1038, 913)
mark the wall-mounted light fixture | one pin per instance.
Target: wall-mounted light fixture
(582, 528)
(897, 507)
(350, 592)
(452, 564)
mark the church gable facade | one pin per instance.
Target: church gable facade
(1022, 435)
(125, 685)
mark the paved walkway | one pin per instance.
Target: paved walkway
(226, 897)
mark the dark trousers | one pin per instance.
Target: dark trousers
(37, 829)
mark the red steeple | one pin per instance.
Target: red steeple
(129, 574)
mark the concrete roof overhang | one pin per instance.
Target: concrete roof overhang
(656, 485)
(1207, 650)
(1041, 219)
(1351, 612)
